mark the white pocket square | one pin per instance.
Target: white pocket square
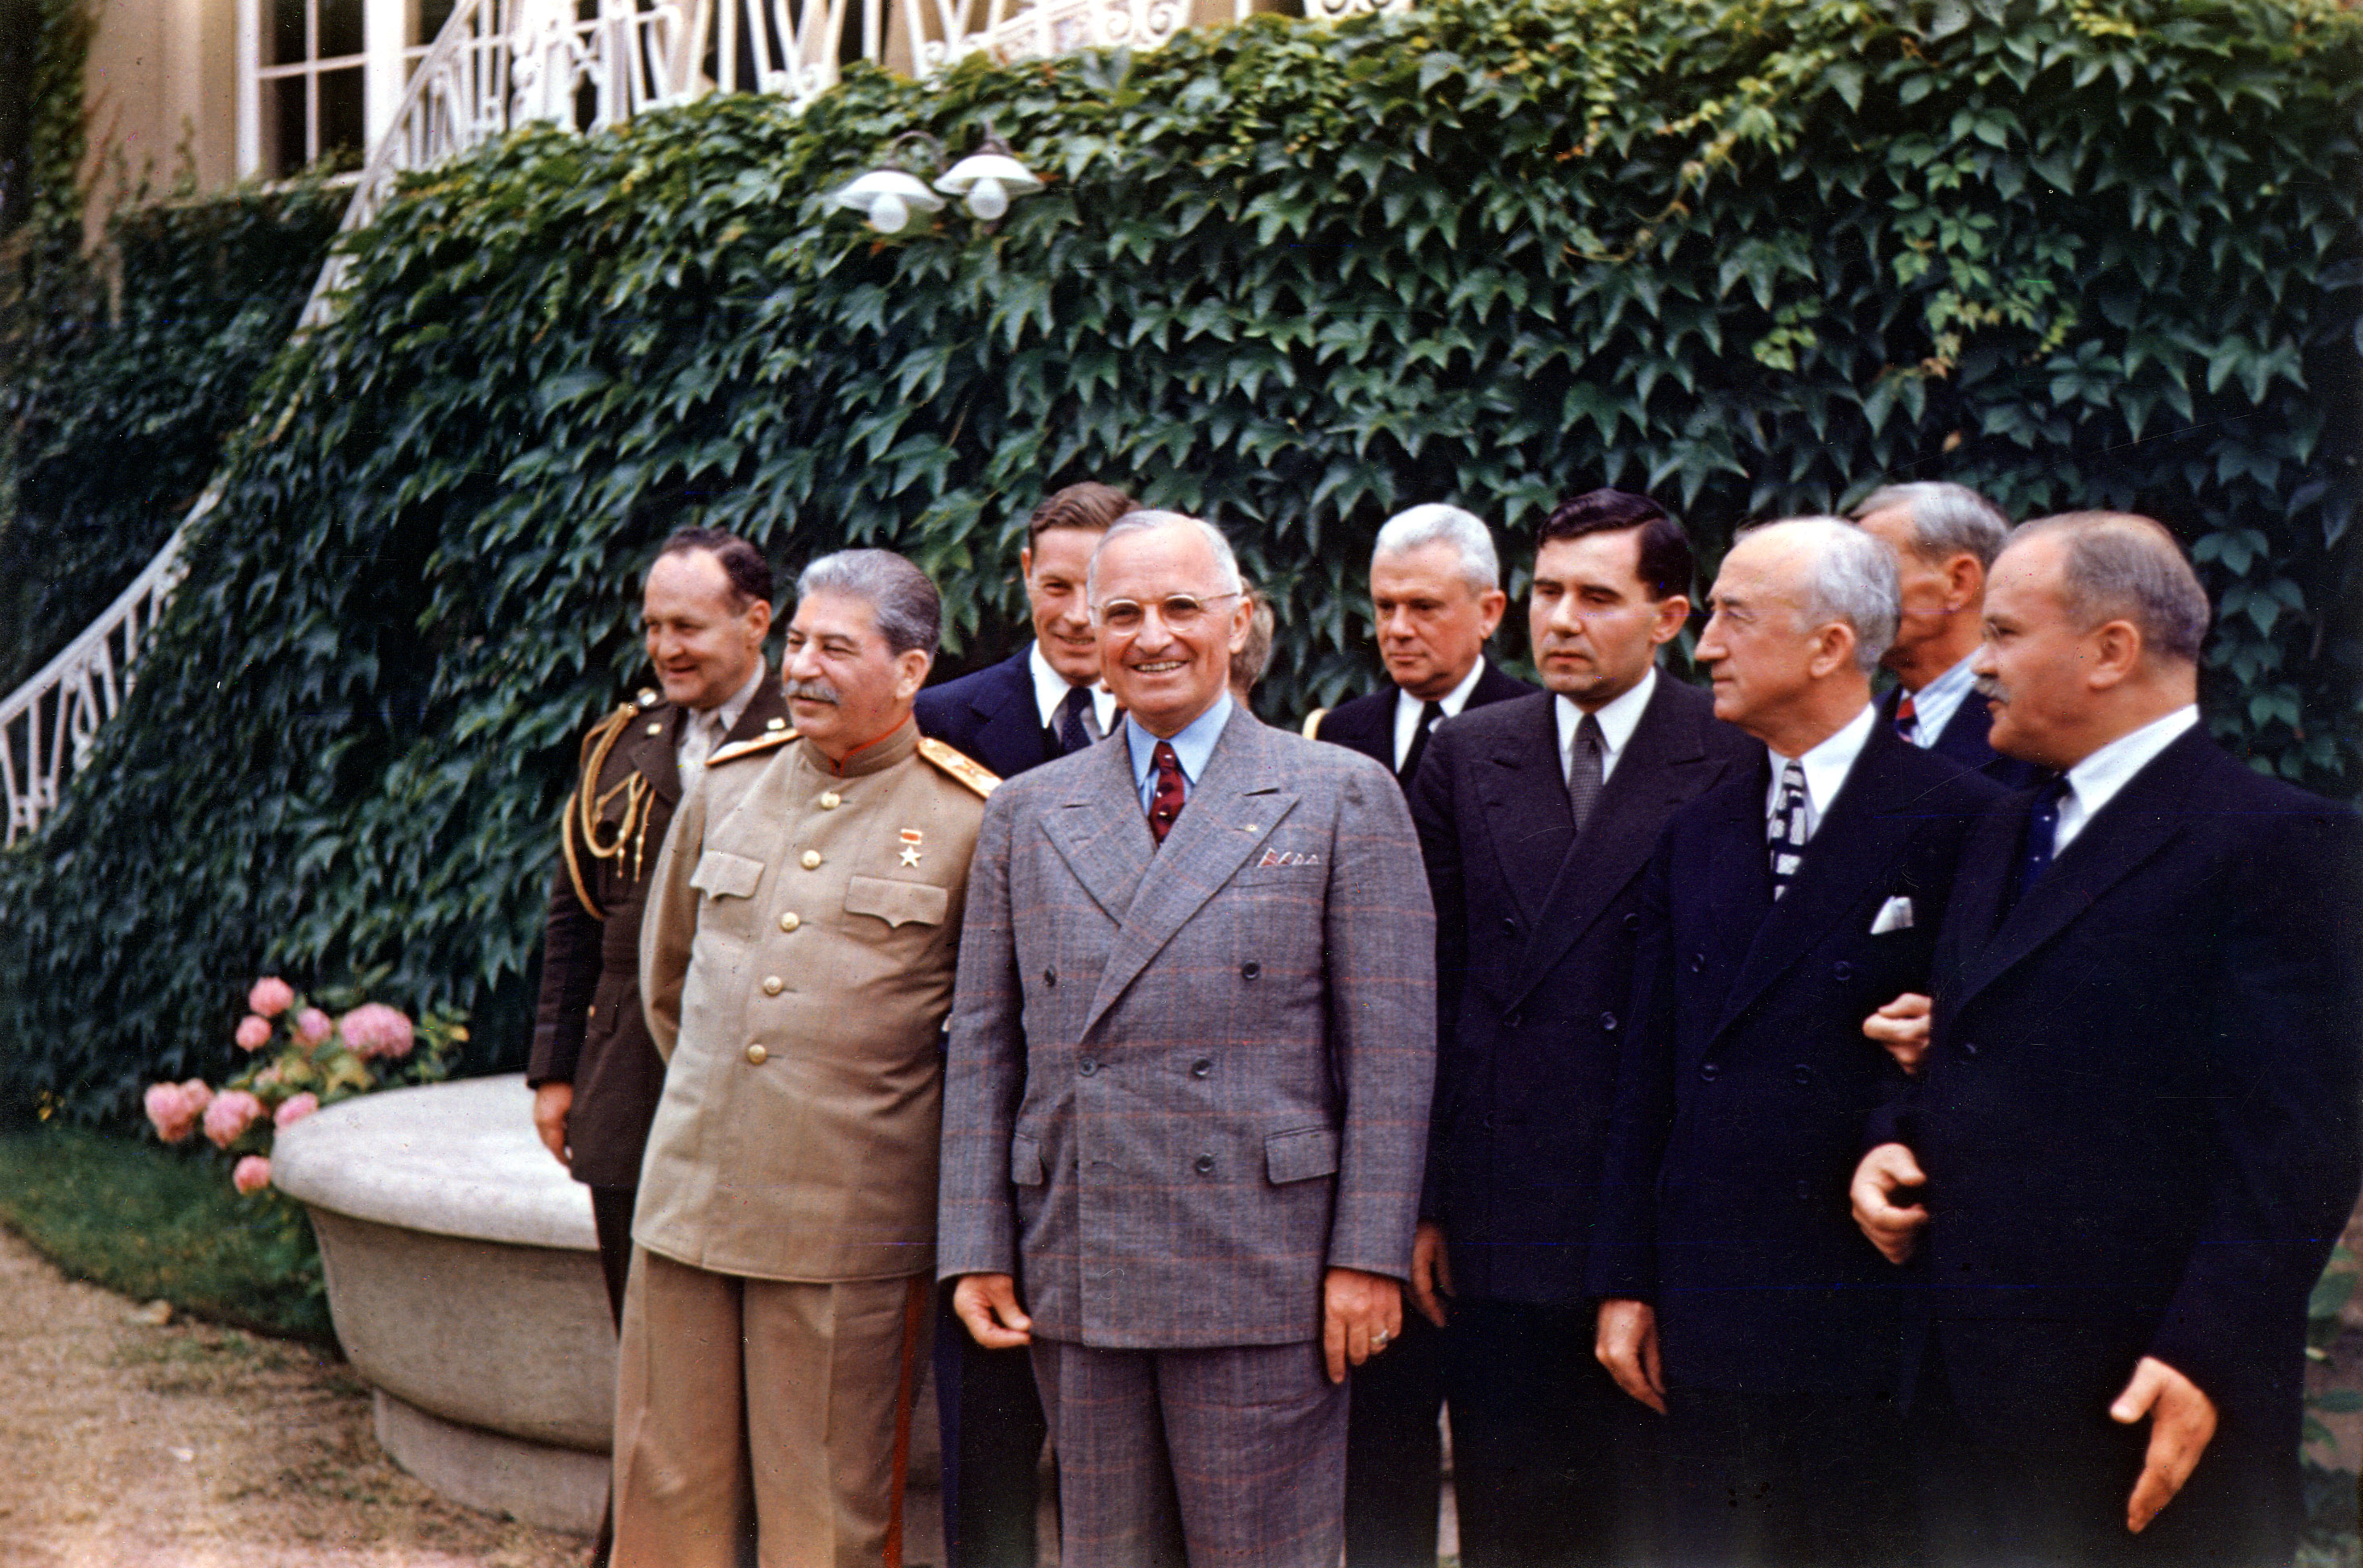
(1895, 914)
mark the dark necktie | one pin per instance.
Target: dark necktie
(1907, 718)
(1428, 713)
(2042, 827)
(1785, 834)
(1166, 803)
(1072, 735)
(1584, 769)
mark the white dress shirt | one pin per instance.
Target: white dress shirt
(1934, 705)
(1617, 721)
(1407, 708)
(2095, 782)
(704, 731)
(1826, 766)
(1051, 690)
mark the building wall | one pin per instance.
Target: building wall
(161, 84)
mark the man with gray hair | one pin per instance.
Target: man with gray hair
(1782, 906)
(1436, 596)
(1944, 537)
(796, 967)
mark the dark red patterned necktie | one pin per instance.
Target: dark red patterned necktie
(1907, 718)
(1166, 804)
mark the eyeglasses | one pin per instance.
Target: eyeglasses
(1180, 612)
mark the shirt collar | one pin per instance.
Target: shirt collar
(2097, 779)
(1826, 764)
(1933, 705)
(1618, 720)
(1051, 690)
(1451, 701)
(1192, 746)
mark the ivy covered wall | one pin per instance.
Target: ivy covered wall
(1752, 255)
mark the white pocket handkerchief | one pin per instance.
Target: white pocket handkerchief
(1895, 914)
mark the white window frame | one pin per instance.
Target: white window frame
(389, 55)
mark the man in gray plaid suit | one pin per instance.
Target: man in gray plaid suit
(1186, 1103)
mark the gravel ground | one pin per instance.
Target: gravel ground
(132, 1443)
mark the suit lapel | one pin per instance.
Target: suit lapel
(1230, 812)
(1865, 829)
(1011, 729)
(1525, 806)
(2138, 822)
(1655, 772)
(1098, 828)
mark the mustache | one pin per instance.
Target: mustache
(1991, 690)
(814, 691)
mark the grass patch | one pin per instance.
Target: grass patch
(151, 1222)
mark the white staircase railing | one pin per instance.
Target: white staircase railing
(500, 64)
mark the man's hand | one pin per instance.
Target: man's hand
(1626, 1345)
(1431, 1273)
(987, 1303)
(2182, 1424)
(551, 1104)
(1360, 1314)
(1893, 1229)
(1901, 1027)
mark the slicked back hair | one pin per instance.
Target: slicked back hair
(1089, 505)
(1667, 564)
(908, 609)
(2121, 564)
(1227, 561)
(1853, 578)
(742, 563)
(1947, 520)
(1436, 524)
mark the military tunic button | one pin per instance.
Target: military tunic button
(594, 1012)
(757, 1055)
(789, 921)
(656, 727)
(831, 800)
(773, 984)
(811, 860)
(1205, 1165)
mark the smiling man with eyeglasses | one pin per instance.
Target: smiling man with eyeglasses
(1187, 1088)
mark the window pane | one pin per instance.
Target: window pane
(341, 114)
(282, 127)
(341, 29)
(286, 44)
(426, 18)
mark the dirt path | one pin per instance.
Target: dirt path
(134, 1445)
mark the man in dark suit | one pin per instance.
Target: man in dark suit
(1041, 702)
(1047, 698)
(1536, 816)
(1780, 908)
(2135, 1137)
(1192, 1053)
(1436, 594)
(705, 608)
(1944, 537)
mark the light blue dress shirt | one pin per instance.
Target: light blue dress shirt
(1192, 746)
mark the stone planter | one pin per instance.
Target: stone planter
(463, 1277)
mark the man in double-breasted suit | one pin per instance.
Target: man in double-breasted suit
(1536, 816)
(1189, 1068)
(1782, 908)
(1041, 702)
(2135, 1137)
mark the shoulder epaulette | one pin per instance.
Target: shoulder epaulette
(1312, 723)
(962, 768)
(737, 749)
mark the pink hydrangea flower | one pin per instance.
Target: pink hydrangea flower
(374, 1029)
(168, 1108)
(294, 1109)
(270, 997)
(253, 1031)
(251, 1175)
(312, 1026)
(230, 1114)
(198, 1095)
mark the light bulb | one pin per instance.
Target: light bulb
(987, 200)
(888, 213)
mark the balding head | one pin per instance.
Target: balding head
(1802, 609)
(2122, 566)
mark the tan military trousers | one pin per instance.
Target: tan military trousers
(786, 1403)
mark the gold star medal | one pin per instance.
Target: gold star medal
(912, 838)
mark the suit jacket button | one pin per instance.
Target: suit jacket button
(1509, 926)
(1608, 1022)
(1049, 977)
(1250, 969)
(1806, 1190)
(1842, 969)
(757, 1055)
(1698, 962)
(1709, 1071)
(1802, 1074)
(1512, 1019)
(1088, 1067)
(1202, 1067)
(1633, 921)
(1205, 1165)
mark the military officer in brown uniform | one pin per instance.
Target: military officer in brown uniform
(797, 965)
(705, 608)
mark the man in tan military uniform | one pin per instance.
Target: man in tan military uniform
(796, 967)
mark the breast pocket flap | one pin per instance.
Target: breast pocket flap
(722, 875)
(897, 903)
(1301, 1155)
(1025, 1166)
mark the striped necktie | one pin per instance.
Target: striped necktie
(1785, 834)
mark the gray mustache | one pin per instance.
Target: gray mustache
(1987, 687)
(814, 691)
